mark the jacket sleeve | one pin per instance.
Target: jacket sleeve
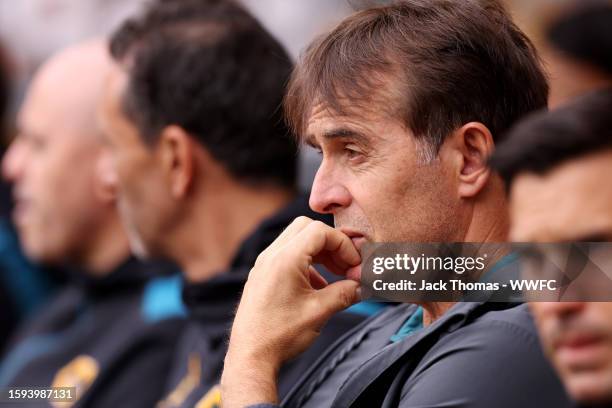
(488, 364)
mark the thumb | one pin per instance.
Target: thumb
(337, 296)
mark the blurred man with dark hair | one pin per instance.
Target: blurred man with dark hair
(556, 165)
(204, 165)
(405, 103)
(111, 332)
(579, 50)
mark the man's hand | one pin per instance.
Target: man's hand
(283, 307)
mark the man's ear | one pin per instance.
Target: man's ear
(176, 151)
(474, 144)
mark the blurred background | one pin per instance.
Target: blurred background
(574, 38)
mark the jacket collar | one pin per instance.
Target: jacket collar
(214, 300)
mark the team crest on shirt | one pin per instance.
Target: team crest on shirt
(212, 399)
(186, 386)
(79, 373)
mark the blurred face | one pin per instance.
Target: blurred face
(144, 199)
(570, 78)
(571, 203)
(373, 183)
(52, 164)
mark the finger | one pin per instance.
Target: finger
(333, 262)
(354, 273)
(317, 238)
(317, 281)
(325, 258)
(336, 296)
(292, 229)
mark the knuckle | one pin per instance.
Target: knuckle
(319, 224)
(261, 258)
(345, 298)
(277, 263)
(315, 308)
(302, 220)
(316, 229)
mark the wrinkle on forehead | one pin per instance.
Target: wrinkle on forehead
(324, 122)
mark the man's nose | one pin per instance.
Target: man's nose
(559, 309)
(13, 161)
(328, 194)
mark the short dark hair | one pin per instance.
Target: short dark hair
(452, 62)
(584, 33)
(212, 69)
(545, 140)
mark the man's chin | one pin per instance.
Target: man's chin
(139, 249)
(591, 390)
(41, 255)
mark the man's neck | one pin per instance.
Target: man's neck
(217, 223)
(489, 224)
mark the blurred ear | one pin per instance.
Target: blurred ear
(473, 144)
(106, 177)
(176, 151)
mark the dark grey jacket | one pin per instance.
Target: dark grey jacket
(477, 355)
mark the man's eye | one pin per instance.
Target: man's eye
(352, 153)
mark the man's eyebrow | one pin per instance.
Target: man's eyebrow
(344, 133)
(338, 133)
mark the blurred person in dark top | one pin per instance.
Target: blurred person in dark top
(24, 287)
(7, 308)
(555, 165)
(204, 165)
(112, 330)
(578, 50)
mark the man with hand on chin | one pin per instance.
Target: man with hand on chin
(405, 103)
(560, 197)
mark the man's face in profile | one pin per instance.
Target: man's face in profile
(144, 202)
(52, 163)
(572, 202)
(374, 182)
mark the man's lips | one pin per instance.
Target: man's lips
(580, 350)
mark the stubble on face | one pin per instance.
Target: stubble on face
(394, 196)
(133, 167)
